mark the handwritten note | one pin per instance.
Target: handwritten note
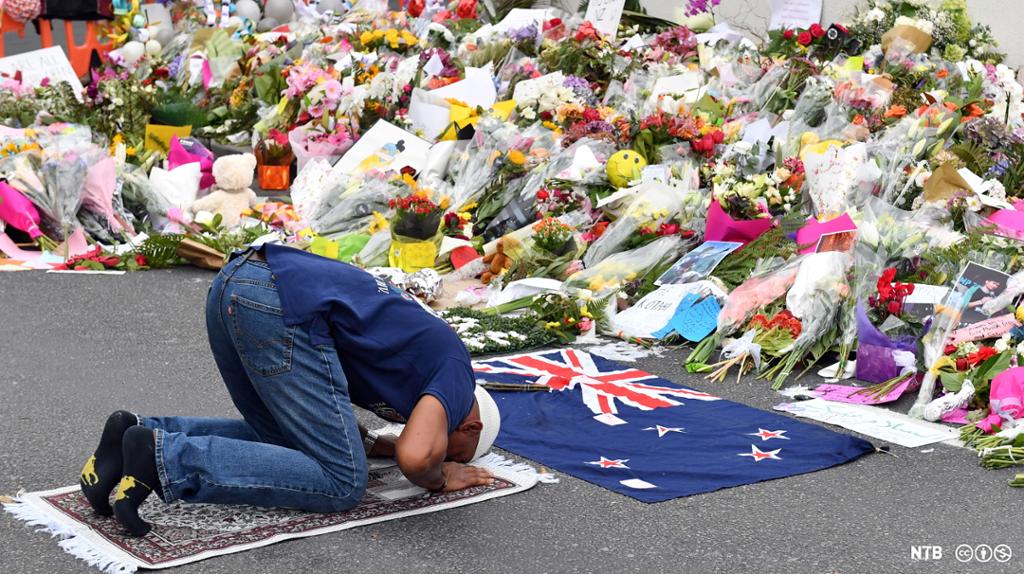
(794, 13)
(652, 314)
(873, 421)
(605, 16)
(987, 329)
(49, 63)
(698, 320)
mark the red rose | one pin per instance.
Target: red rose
(415, 7)
(542, 195)
(140, 260)
(817, 31)
(962, 364)
(949, 350)
(788, 34)
(804, 39)
(552, 23)
(466, 9)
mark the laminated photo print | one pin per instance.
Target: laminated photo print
(699, 263)
(977, 285)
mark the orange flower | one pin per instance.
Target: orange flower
(974, 110)
(858, 120)
(942, 73)
(517, 157)
(896, 111)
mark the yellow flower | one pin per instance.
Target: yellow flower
(465, 216)
(378, 223)
(470, 206)
(445, 202)
(517, 157)
(366, 38)
(584, 312)
(552, 325)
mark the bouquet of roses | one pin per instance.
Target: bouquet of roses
(745, 301)
(817, 295)
(767, 334)
(654, 205)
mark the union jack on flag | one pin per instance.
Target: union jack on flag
(643, 436)
(601, 389)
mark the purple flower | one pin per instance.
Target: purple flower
(523, 34)
(695, 7)
(581, 87)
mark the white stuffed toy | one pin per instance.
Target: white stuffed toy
(231, 195)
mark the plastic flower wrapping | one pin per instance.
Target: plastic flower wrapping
(853, 190)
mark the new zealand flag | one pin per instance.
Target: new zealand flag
(645, 437)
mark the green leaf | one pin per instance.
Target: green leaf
(952, 381)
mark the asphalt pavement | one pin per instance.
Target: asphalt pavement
(74, 348)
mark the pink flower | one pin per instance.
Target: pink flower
(332, 90)
(585, 324)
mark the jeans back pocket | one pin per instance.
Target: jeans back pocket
(262, 340)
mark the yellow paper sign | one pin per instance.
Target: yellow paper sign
(855, 64)
(158, 137)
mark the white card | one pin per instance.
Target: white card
(794, 13)
(36, 65)
(605, 16)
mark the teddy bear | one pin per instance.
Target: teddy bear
(231, 195)
(496, 262)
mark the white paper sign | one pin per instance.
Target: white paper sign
(927, 294)
(605, 16)
(794, 13)
(384, 146)
(49, 63)
(874, 422)
(652, 312)
(430, 111)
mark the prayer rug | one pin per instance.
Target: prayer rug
(184, 533)
(643, 436)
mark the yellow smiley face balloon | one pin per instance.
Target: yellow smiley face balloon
(625, 166)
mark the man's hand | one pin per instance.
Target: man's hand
(462, 476)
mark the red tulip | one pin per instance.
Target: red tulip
(415, 7)
(466, 9)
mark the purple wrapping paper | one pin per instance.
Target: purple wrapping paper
(875, 363)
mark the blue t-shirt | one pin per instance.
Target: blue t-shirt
(393, 351)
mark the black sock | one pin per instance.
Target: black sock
(139, 479)
(103, 469)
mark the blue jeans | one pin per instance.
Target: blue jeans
(298, 445)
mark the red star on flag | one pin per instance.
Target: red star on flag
(609, 463)
(758, 455)
(662, 431)
(769, 434)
